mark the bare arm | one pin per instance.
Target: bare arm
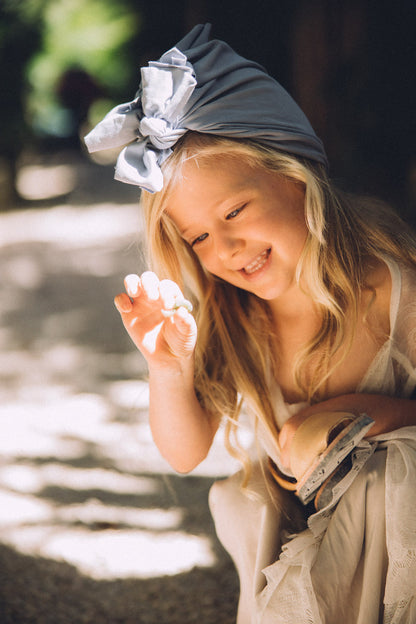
(182, 430)
(388, 413)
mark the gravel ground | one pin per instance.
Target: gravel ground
(48, 592)
(94, 525)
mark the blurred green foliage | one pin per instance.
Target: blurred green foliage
(41, 40)
(88, 35)
(56, 58)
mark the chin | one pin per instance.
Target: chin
(266, 295)
(271, 293)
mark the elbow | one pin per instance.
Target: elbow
(186, 464)
(183, 470)
(185, 455)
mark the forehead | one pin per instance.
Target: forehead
(210, 180)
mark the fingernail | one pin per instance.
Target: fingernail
(150, 285)
(132, 284)
(169, 302)
(120, 304)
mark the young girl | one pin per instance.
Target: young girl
(304, 309)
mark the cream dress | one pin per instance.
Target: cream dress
(354, 562)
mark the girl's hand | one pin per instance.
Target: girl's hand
(287, 433)
(157, 318)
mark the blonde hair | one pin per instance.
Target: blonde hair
(234, 355)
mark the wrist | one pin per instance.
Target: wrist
(174, 369)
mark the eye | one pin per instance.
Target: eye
(199, 239)
(234, 213)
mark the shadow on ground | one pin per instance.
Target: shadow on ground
(48, 592)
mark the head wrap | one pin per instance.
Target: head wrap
(205, 86)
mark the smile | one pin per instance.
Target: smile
(257, 263)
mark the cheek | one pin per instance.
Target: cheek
(205, 258)
(293, 234)
(203, 261)
(300, 234)
(210, 266)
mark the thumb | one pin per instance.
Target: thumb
(181, 332)
(285, 439)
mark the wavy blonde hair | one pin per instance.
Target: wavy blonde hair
(234, 355)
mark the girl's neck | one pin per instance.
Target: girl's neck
(294, 309)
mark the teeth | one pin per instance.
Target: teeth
(257, 263)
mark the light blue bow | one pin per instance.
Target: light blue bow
(149, 125)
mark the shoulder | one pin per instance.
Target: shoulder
(408, 275)
(378, 275)
(403, 308)
(406, 300)
(377, 293)
(403, 282)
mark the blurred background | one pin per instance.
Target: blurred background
(350, 65)
(94, 526)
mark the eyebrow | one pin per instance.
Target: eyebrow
(185, 233)
(181, 232)
(242, 188)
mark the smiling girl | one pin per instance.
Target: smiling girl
(304, 310)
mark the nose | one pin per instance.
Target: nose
(227, 245)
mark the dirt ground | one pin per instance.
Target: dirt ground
(94, 525)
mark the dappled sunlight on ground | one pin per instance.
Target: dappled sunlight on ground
(81, 481)
(77, 484)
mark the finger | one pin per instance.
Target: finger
(186, 327)
(133, 285)
(184, 319)
(282, 437)
(285, 440)
(180, 333)
(150, 285)
(123, 303)
(169, 293)
(284, 456)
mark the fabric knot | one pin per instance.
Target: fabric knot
(160, 132)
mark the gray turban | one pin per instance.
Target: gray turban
(205, 86)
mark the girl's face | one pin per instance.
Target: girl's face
(246, 225)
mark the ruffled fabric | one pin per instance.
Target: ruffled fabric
(353, 564)
(149, 124)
